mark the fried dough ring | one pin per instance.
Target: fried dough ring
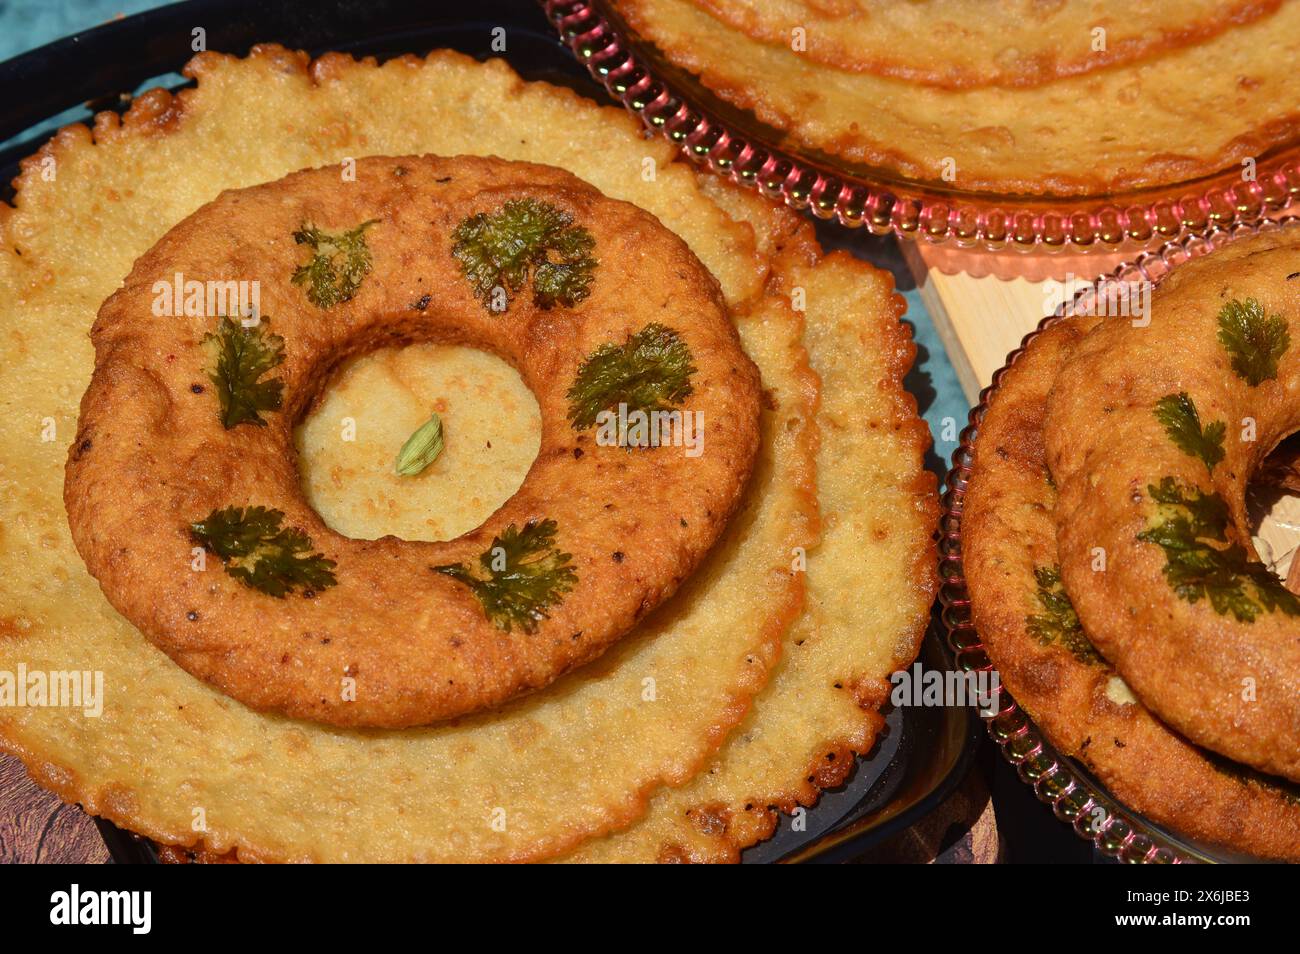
(1085, 709)
(151, 455)
(1229, 685)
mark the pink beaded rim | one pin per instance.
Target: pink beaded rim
(911, 209)
(1057, 780)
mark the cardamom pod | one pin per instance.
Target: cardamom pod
(421, 448)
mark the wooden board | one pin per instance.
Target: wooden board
(984, 303)
(36, 827)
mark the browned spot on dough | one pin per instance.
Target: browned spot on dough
(1043, 675)
(524, 733)
(55, 776)
(672, 855)
(710, 820)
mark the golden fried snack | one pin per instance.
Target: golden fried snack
(870, 580)
(1190, 112)
(178, 761)
(956, 44)
(394, 632)
(1028, 625)
(1152, 432)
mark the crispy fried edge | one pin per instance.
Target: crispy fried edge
(807, 516)
(869, 693)
(158, 111)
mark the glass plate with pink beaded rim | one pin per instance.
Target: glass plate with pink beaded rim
(739, 146)
(1074, 795)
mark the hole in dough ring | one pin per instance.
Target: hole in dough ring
(395, 643)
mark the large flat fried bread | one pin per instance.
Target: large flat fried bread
(186, 765)
(1190, 112)
(956, 44)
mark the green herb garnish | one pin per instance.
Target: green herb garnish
(1183, 425)
(260, 554)
(1253, 341)
(338, 264)
(1060, 623)
(650, 372)
(496, 251)
(1201, 562)
(519, 576)
(421, 448)
(238, 357)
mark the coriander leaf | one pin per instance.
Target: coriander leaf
(338, 264)
(238, 357)
(650, 372)
(1059, 624)
(496, 250)
(519, 576)
(1254, 342)
(1201, 562)
(1183, 425)
(260, 554)
(1205, 514)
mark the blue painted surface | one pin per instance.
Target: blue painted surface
(946, 414)
(26, 24)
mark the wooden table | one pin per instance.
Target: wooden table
(984, 303)
(36, 827)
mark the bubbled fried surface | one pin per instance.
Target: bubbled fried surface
(870, 579)
(1228, 685)
(152, 456)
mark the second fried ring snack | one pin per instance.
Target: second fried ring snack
(1152, 433)
(183, 463)
(1028, 624)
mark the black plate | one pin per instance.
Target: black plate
(923, 754)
